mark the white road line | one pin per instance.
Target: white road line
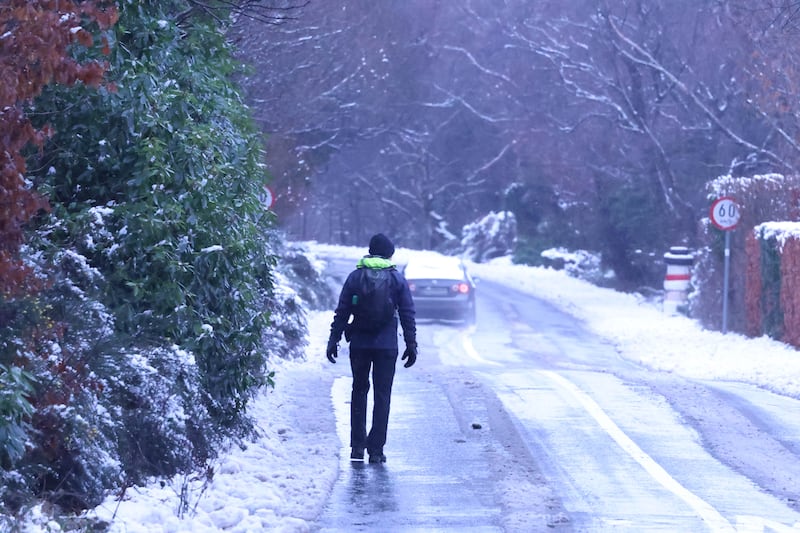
(466, 342)
(707, 513)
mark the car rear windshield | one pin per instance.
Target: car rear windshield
(438, 270)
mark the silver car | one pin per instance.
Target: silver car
(442, 288)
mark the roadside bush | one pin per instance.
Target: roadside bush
(102, 413)
(297, 285)
(492, 236)
(16, 387)
(579, 264)
(68, 458)
(161, 424)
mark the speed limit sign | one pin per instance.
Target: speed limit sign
(725, 213)
(267, 197)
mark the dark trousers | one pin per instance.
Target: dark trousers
(382, 363)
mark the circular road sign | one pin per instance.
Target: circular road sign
(267, 198)
(725, 213)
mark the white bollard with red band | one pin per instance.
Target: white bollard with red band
(677, 280)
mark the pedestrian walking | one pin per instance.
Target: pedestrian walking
(375, 295)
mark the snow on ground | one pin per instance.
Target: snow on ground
(280, 482)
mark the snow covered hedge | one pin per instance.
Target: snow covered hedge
(772, 295)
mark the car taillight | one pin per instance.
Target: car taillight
(412, 287)
(463, 288)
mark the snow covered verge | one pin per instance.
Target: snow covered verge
(281, 481)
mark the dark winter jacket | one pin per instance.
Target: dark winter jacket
(386, 338)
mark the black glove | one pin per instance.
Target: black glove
(333, 351)
(411, 355)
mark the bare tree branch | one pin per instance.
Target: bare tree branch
(641, 56)
(266, 11)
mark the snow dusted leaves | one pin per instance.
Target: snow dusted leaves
(492, 236)
(780, 231)
(36, 52)
(96, 222)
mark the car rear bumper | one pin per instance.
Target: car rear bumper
(442, 308)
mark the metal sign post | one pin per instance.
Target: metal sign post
(725, 215)
(725, 278)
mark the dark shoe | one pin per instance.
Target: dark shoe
(357, 454)
(377, 457)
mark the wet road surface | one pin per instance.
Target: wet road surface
(527, 422)
(434, 478)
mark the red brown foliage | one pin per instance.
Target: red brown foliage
(36, 37)
(752, 291)
(790, 291)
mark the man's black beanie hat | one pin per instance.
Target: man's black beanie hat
(380, 245)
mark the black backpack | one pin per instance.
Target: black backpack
(373, 303)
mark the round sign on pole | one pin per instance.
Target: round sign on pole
(725, 213)
(267, 198)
